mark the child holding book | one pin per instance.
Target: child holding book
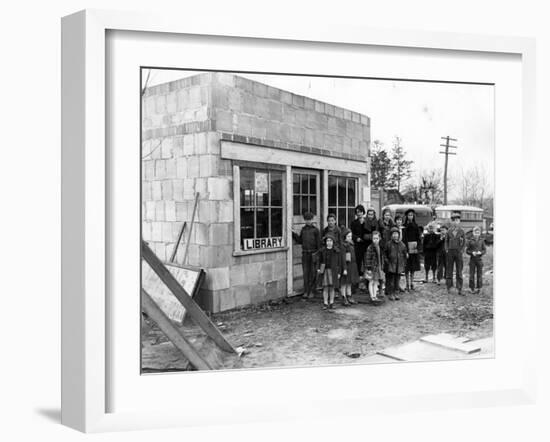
(476, 249)
(412, 240)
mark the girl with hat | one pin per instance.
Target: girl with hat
(330, 267)
(374, 265)
(350, 275)
(412, 239)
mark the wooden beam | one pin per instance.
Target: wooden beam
(193, 309)
(190, 228)
(289, 212)
(236, 208)
(180, 236)
(325, 198)
(172, 332)
(260, 154)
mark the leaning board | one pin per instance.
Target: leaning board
(189, 278)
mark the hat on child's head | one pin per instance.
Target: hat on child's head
(455, 215)
(345, 232)
(394, 229)
(327, 236)
(409, 211)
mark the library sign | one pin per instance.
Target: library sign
(263, 243)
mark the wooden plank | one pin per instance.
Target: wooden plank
(238, 151)
(452, 343)
(237, 208)
(289, 240)
(190, 228)
(196, 313)
(180, 236)
(172, 332)
(422, 351)
(324, 212)
(189, 278)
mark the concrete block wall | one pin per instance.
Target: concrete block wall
(251, 109)
(183, 124)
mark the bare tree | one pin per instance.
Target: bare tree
(473, 187)
(428, 189)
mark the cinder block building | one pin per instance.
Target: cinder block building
(259, 157)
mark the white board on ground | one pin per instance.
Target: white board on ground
(165, 299)
(453, 342)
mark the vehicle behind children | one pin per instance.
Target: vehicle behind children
(424, 214)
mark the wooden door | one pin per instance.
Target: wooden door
(306, 197)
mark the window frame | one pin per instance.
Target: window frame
(257, 167)
(335, 208)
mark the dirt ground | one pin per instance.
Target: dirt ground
(300, 333)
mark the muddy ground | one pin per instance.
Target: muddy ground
(299, 333)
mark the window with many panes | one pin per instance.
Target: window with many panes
(304, 191)
(261, 203)
(342, 198)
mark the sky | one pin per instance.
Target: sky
(420, 113)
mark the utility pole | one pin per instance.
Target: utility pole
(447, 152)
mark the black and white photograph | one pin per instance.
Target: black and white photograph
(309, 220)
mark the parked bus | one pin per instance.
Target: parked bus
(424, 214)
(469, 216)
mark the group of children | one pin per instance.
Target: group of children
(381, 251)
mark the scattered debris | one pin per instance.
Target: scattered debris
(241, 351)
(353, 355)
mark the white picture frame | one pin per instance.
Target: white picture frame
(86, 216)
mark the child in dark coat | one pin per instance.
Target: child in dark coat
(374, 265)
(333, 229)
(385, 225)
(476, 249)
(310, 239)
(330, 267)
(430, 246)
(412, 240)
(359, 232)
(350, 276)
(455, 242)
(441, 254)
(396, 257)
